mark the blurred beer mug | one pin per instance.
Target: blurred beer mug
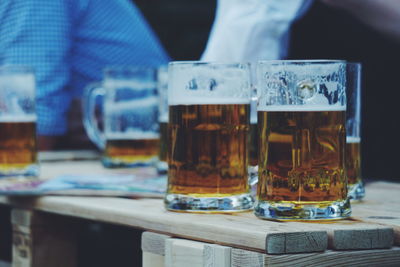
(18, 151)
(209, 112)
(130, 133)
(162, 88)
(356, 189)
(253, 146)
(301, 120)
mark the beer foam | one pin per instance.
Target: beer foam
(353, 139)
(132, 104)
(131, 135)
(126, 83)
(207, 101)
(18, 118)
(294, 108)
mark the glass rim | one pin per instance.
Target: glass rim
(300, 61)
(16, 68)
(211, 63)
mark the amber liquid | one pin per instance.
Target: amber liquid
(207, 150)
(253, 147)
(163, 141)
(302, 156)
(353, 166)
(131, 150)
(17, 145)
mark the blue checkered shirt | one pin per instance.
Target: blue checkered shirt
(69, 42)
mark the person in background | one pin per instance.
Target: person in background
(68, 43)
(251, 30)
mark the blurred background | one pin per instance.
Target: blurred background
(324, 32)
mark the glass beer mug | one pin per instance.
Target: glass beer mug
(208, 128)
(130, 133)
(18, 150)
(355, 186)
(162, 87)
(301, 120)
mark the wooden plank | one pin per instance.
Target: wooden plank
(152, 260)
(216, 256)
(183, 253)
(351, 234)
(380, 207)
(341, 234)
(242, 230)
(42, 240)
(250, 232)
(153, 248)
(383, 257)
(294, 242)
(363, 239)
(154, 243)
(242, 258)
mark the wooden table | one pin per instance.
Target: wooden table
(370, 237)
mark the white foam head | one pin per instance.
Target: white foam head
(196, 83)
(126, 106)
(208, 101)
(132, 84)
(131, 135)
(295, 108)
(18, 118)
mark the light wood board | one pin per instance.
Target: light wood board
(242, 230)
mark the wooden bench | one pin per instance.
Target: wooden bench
(371, 237)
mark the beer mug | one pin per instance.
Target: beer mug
(130, 133)
(301, 120)
(356, 189)
(209, 113)
(162, 87)
(18, 151)
(253, 147)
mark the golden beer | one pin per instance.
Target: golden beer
(208, 150)
(126, 151)
(17, 145)
(302, 157)
(163, 141)
(253, 147)
(353, 168)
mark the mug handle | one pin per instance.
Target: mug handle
(90, 121)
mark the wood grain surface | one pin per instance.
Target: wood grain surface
(375, 222)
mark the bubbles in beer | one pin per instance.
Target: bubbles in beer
(301, 157)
